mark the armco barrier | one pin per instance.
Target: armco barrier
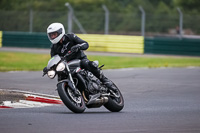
(172, 46)
(110, 43)
(25, 39)
(0, 39)
(115, 43)
(106, 43)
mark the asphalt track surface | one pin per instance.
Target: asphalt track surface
(162, 100)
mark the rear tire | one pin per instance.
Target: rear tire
(115, 104)
(75, 104)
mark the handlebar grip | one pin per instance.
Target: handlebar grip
(70, 52)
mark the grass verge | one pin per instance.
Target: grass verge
(14, 61)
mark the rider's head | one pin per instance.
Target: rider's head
(55, 32)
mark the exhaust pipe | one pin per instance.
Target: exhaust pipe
(97, 100)
(103, 100)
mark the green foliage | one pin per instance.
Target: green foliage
(95, 5)
(162, 8)
(190, 6)
(125, 16)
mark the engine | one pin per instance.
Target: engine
(93, 84)
(93, 87)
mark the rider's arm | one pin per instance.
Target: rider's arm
(78, 41)
(52, 53)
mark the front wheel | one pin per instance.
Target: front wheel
(75, 103)
(115, 101)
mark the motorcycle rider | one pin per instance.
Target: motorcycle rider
(63, 43)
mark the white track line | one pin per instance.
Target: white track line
(31, 100)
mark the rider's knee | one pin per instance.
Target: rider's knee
(93, 65)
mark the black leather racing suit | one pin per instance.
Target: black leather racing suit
(70, 40)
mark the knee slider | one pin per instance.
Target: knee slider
(93, 64)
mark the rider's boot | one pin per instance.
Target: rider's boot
(99, 74)
(107, 82)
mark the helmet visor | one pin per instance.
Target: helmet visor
(55, 34)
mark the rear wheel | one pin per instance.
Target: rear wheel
(115, 101)
(75, 103)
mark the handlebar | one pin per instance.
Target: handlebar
(62, 58)
(70, 53)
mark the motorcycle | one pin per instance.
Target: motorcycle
(78, 88)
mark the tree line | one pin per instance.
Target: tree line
(153, 6)
(156, 10)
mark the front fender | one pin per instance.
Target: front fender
(69, 84)
(82, 81)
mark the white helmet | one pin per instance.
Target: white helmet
(55, 32)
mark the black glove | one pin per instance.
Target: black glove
(75, 47)
(45, 70)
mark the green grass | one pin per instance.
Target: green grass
(150, 62)
(14, 61)
(11, 61)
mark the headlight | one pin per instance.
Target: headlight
(60, 67)
(51, 74)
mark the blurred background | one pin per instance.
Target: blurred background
(142, 26)
(119, 17)
(136, 27)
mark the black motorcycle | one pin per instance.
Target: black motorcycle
(79, 88)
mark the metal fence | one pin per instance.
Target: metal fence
(139, 23)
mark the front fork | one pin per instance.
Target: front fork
(70, 76)
(71, 83)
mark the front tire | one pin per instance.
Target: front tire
(115, 101)
(74, 103)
